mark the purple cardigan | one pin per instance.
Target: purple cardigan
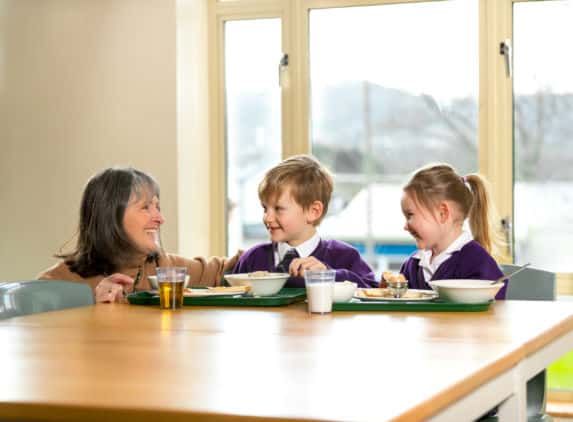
(471, 261)
(334, 254)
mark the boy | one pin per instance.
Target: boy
(295, 196)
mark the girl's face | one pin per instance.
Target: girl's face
(287, 221)
(141, 222)
(423, 224)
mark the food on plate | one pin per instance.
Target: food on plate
(233, 290)
(230, 289)
(259, 274)
(382, 293)
(395, 278)
(373, 292)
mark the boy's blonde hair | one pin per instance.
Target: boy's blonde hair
(438, 182)
(307, 179)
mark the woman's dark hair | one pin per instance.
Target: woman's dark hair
(103, 246)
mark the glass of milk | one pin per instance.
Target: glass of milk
(319, 290)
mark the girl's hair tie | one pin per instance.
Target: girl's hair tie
(464, 180)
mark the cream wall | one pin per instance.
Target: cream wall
(86, 84)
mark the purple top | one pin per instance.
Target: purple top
(334, 254)
(472, 261)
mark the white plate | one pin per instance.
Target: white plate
(425, 295)
(209, 293)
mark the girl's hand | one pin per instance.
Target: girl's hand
(299, 265)
(112, 289)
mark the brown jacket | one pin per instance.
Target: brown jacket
(202, 271)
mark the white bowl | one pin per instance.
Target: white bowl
(343, 291)
(153, 281)
(261, 285)
(465, 290)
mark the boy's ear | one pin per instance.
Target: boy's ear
(314, 212)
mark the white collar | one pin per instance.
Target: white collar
(304, 249)
(425, 255)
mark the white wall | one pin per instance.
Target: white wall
(84, 84)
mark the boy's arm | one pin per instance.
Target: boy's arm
(360, 277)
(348, 263)
(256, 258)
(358, 272)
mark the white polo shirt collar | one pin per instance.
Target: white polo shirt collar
(425, 255)
(304, 249)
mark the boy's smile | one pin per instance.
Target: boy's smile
(286, 220)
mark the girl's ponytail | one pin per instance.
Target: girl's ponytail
(482, 216)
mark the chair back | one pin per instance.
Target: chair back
(30, 297)
(529, 284)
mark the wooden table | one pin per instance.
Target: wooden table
(125, 362)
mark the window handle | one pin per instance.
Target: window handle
(506, 228)
(283, 74)
(506, 51)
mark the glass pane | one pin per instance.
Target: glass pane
(543, 132)
(253, 120)
(395, 89)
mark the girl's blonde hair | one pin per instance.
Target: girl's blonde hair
(307, 179)
(439, 182)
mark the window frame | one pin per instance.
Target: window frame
(495, 92)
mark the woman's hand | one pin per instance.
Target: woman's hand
(112, 289)
(299, 265)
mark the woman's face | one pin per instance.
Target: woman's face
(141, 222)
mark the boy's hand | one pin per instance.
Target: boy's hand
(299, 265)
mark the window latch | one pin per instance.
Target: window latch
(505, 50)
(283, 74)
(506, 228)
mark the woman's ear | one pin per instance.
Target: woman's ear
(314, 212)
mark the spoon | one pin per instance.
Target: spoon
(503, 277)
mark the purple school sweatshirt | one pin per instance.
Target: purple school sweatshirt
(334, 254)
(472, 261)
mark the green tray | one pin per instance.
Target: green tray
(435, 305)
(285, 297)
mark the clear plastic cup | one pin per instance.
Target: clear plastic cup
(319, 290)
(171, 281)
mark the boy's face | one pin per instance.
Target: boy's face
(287, 221)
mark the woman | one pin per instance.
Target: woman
(118, 243)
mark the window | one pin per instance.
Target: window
(377, 88)
(253, 122)
(543, 107)
(401, 100)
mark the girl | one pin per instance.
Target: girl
(436, 202)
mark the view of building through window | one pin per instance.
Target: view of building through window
(400, 101)
(253, 119)
(543, 134)
(407, 97)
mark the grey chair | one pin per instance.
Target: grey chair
(531, 284)
(30, 297)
